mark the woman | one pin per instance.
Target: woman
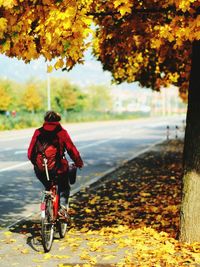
(53, 132)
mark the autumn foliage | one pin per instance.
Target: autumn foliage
(53, 29)
(145, 41)
(5, 99)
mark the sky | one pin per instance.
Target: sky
(90, 73)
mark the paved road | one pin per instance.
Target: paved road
(103, 146)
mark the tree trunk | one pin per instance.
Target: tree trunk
(190, 207)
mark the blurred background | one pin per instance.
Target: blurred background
(86, 93)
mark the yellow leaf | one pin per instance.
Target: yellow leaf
(61, 256)
(47, 256)
(88, 210)
(67, 24)
(124, 9)
(12, 240)
(169, 248)
(59, 64)
(109, 257)
(96, 245)
(117, 3)
(84, 256)
(84, 229)
(49, 68)
(8, 233)
(143, 194)
(196, 247)
(48, 37)
(25, 251)
(64, 265)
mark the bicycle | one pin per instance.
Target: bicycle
(50, 218)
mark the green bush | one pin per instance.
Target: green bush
(20, 121)
(28, 120)
(98, 116)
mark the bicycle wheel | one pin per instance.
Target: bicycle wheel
(62, 225)
(47, 226)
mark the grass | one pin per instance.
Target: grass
(26, 120)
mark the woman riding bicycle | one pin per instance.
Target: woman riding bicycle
(50, 142)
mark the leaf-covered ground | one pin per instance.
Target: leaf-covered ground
(145, 192)
(130, 218)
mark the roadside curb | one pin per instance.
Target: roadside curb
(92, 181)
(111, 170)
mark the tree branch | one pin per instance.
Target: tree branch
(145, 11)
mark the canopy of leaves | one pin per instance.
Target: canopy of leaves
(146, 41)
(51, 28)
(140, 40)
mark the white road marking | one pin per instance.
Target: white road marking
(97, 143)
(14, 138)
(20, 152)
(25, 163)
(6, 149)
(18, 221)
(15, 166)
(80, 147)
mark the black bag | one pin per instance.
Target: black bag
(72, 173)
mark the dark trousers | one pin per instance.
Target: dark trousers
(61, 180)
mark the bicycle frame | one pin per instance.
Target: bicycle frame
(55, 198)
(53, 193)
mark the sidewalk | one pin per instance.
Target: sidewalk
(129, 218)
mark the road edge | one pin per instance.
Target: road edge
(92, 181)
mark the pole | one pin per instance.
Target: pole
(48, 93)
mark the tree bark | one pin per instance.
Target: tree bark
(190, 207)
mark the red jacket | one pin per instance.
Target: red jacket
(64, 140)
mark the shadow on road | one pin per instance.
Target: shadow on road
(31, 230)
(18, 191)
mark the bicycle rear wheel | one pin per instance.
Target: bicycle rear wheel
(47, 226)
(62, 225)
